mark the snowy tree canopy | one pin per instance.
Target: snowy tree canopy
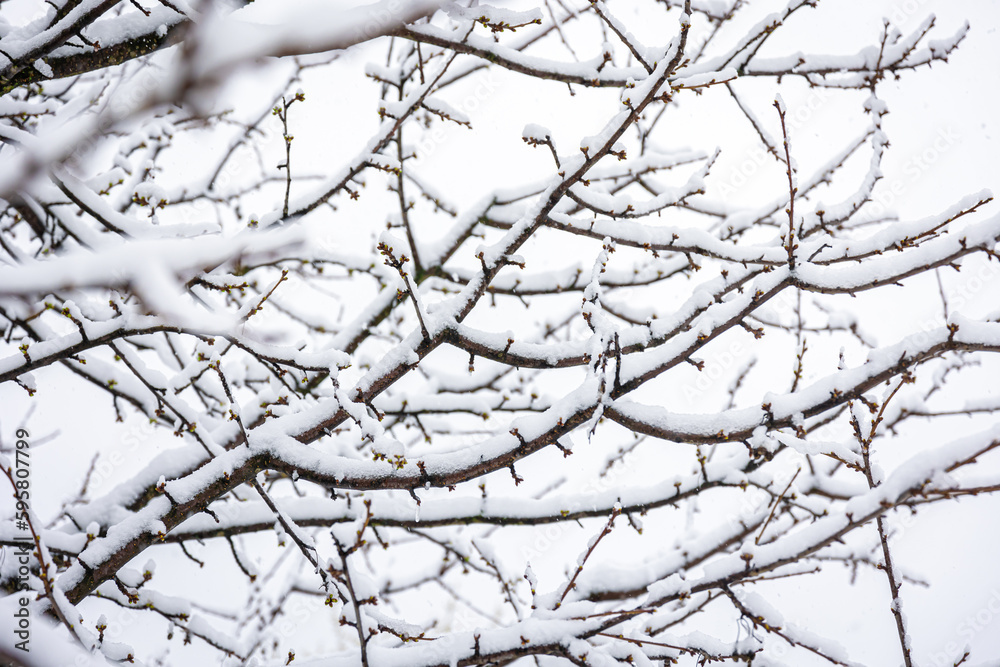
(434, 333)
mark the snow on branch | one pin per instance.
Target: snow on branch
(435, 397)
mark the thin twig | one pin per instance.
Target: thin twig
(615, 511)
(777, 501)
(790, 244)
(282, 113)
